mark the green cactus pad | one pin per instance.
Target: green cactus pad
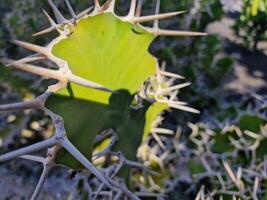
(113, 53)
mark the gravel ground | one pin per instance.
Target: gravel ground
(250, 70)
(18, 180)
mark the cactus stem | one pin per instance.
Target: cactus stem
(32, 47)
(155, 17)
(28, 149)
(45, 172)
(19, 106)
(58, 15)
(83, 160)
(71, 9)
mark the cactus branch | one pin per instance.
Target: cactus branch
(19, 106)
(83, 160)
(64, 75)
(125, 190)
(62, 139)
(29, 149)
(46, 170)
(36, 103)
(48, 164)
(114, 139)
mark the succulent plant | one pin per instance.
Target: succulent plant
(224, 155)
(251, 26)
(108, 85)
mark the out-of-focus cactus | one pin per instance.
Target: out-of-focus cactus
(251, 26)
(224, 156)
(106, 79)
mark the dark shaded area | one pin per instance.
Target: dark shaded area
(253, 61)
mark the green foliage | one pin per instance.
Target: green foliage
(238, 139)
(252, 25)
(251, 123)
(16, 83)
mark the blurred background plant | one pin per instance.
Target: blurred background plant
(218, 153)
(252, 23)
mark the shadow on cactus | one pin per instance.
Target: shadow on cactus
(107, 79)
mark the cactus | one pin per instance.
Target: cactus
(252, 22)
(106, 79)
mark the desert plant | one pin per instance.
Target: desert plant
(251, 26)
(224, 157)
(105, 79)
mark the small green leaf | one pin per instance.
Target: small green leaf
(251, 123)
